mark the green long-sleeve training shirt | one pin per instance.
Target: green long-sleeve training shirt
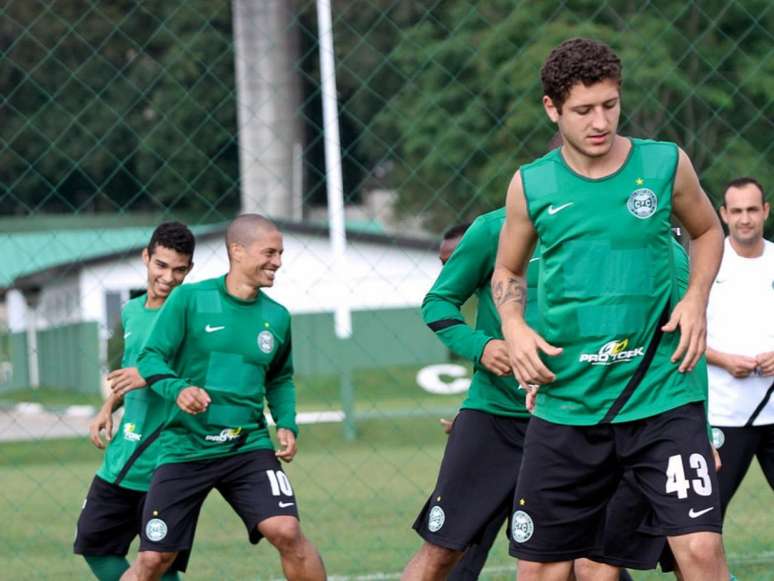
(468, 272)
(239, 352)
(130, 457)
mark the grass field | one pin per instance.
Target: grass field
(357, 502)
(378, 390)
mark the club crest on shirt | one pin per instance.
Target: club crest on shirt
(642, 203)
(266, 341)
(436, 519)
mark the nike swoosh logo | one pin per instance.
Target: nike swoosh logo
(210, 329)
(534, 259)
(719, 281)
(552, 210)
(697, 513)
(286, 504)
(126, 335)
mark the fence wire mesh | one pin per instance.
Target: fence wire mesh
(117, 115)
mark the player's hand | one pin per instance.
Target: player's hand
(716, 456)
(531, 398)
(495, 357)
(447, 425)
(523, 346)
(690, 315)
(739, 366)
(287, 442)
(193, 400)
(102, 422)
(765, 363)
(125, 380)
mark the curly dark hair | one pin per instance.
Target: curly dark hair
(173, 235)
(577, 60)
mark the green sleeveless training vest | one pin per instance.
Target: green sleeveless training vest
(607, 284)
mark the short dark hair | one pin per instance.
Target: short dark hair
(456, 231)
(577, 60)
(742, 182)
(175, 236)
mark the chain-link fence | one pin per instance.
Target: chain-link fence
(117, 115)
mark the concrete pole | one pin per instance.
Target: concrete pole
(268, 107)
(33, 365)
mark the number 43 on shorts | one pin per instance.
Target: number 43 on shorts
(677, 482)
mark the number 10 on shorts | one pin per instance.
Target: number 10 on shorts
(279, 483)
(677, 482)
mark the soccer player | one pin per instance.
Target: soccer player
(740, 339)
(474, 491)
(630, 539)
(216, 351)
(110, 518)
(616, 342)
(450, 240)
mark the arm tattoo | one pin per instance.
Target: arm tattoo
(513, 289)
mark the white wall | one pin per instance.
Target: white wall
(378, 276)
(59, 304)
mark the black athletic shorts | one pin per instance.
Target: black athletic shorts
(628, 540)
(253, 483)
(110, 520)
(476, 480)
(570, 473)
(737, 448)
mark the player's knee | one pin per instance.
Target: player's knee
(702, 548)
(706, 548)
(440, 558)
(155, 562)
(588, 570)
(285, 534)
(584, 569)
(528, 570)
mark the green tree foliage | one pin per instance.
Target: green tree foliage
(117, 106)
(455, 100)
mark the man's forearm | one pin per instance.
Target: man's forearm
(715, 357)
(509, 291)
(113, 402)
(706, 253)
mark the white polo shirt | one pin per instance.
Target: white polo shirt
(740, 320)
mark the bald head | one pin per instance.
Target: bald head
(246, 229)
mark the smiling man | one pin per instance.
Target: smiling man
(740, 339)
(110, 518)
(218, 349)
(616, 339)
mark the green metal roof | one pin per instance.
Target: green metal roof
(26, 253)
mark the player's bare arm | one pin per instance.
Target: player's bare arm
(125, 380)
(694, 210)
(517, 240)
